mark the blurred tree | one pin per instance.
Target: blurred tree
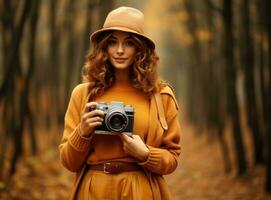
(195, 71)
(216, 109)
(267, 16)
(230, 73)
(262, 61)
(247, 61)
(54, 62)
(34, 17)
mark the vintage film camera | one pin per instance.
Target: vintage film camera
(117, 118)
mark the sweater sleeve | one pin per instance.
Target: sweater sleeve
(74, 148)
(164, 159)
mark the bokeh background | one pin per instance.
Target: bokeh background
(215, 53)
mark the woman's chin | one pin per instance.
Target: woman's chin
(120, 66)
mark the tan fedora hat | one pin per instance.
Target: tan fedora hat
(124, 19)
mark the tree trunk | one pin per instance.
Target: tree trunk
(224, 149)
(216, 108)
(230, 71)
(196, 103)
(31, 69)
(262, 65)
(54, 72)
(247, 60)
(267, 7)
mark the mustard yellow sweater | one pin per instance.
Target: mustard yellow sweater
(162, 142)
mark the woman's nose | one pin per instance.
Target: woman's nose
(120, 49)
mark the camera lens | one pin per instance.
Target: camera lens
(117, 122)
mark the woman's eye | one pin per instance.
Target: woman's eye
(129, 43)
(112, 42)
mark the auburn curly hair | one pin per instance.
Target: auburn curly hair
(99, 72)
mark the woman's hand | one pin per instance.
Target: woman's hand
(90, 119)
(134, 146)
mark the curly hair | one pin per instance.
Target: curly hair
(99, 72)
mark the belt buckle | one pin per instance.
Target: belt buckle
(105, 167)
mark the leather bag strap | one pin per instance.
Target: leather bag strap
(160, 109)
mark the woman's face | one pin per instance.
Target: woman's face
(121, 50)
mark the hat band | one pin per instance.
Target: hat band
(121, 24)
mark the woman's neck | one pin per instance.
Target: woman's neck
(122, 74)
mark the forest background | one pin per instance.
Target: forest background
(216, 54)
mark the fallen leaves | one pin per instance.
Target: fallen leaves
(38, 178)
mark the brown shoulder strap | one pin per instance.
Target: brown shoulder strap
(160, 108)
(78, 182)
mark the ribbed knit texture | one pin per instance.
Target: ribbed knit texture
(153, 159)
(79, 142)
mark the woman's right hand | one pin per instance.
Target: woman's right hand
(91, 118)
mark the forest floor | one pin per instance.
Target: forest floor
(199, 176)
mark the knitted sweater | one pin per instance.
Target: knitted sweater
(109, 147)
(163, 143)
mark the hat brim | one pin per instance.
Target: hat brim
(94, 35)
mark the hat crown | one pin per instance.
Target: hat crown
(126, 17)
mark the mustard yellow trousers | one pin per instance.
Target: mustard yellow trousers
(98, 185)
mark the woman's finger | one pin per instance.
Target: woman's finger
(92, 114)
(124, 137)
(136, 137)
(94, 124)
(89, 106)
(94, 119)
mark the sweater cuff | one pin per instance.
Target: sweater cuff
(153, 159)
(79, 142)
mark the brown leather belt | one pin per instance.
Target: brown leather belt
(115, 167)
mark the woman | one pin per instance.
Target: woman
(126, 164)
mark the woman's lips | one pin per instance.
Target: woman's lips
(120, 60)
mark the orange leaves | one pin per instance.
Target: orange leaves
(40, 177)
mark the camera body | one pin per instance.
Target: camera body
(117, 118)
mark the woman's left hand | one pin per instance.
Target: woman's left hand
(134, 146)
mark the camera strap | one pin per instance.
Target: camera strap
(160, 109)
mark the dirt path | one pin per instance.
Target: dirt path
(199, 176)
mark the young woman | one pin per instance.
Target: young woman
(130, 163)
